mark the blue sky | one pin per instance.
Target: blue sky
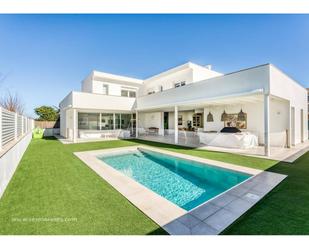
(46, 56)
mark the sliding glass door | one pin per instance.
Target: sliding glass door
(88, 121)
(107, 121)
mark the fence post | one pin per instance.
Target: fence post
(0, 128)
(16, 117)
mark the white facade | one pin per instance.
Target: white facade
(275, 105)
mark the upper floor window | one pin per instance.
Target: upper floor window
(179, 84)
(132, 94)
(105, 89)
(128, 93)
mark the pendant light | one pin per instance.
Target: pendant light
(224, 116)
(210, 117)
(241, 116)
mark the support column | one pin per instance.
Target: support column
(136, 124)
(266, 125)
(100, 121)
(289, 135)
(75, 126)
(204, 119)
(114, 121)
(176, 124)
(161, 132)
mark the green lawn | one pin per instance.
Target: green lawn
(52, 183)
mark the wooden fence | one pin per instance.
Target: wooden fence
(46, 124)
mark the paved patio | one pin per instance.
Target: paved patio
(276, 153)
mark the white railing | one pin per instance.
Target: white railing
(13, 126)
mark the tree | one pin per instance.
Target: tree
(47, 113)
(12, 102)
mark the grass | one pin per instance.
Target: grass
(51, 182)
(252, 162)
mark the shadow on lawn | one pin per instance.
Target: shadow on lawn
(49, 138)
(158, 231)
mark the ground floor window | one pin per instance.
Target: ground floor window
(88, 121)
(104, 121)
(123, 120)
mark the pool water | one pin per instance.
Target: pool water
(183, 182)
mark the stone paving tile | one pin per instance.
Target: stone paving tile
(238, 206)
(177, 228)
(189, 220)
(263, 188)
(223, 199)
(252, 182)
(252, 197)
(204, 211)
(203, 229)
(269, 178)
(239, 190)
(221, 219)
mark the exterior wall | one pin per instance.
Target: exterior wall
(151, 119)
(218, 87)
(113, 88)
(279, 119)
(284, 87)
(62, 122)
(190, 73)
(87, 85)
(10, 160)
(66, 123)
(82, 100)
(202, 73)
(167, 81)
(254, 117)
(67, 101)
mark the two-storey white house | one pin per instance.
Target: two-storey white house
(191, 104)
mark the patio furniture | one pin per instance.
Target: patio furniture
(242, 140)
(153, 131)
(90, 134)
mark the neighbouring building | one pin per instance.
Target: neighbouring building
(190, 103)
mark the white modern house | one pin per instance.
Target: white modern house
(191, 104)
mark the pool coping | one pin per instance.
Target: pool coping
(211, 217)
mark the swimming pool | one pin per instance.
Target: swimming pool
(184, 182)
